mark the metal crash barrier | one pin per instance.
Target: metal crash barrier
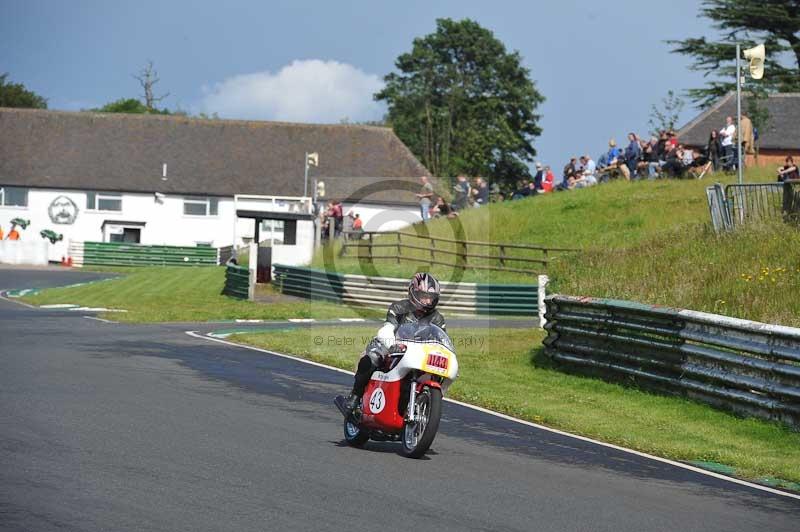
(238, 282)
(467, 298)
(125, 254)
(743, 366)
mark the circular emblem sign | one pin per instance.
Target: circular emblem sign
(377, 401)
(63, 211)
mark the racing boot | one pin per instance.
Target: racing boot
(352, 403)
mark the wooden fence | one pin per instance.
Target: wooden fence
(464, 254)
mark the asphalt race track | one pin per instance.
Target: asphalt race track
(105, 426)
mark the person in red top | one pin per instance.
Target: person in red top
(358, 224)
(1, 232)
(13, 234)
(547, 183)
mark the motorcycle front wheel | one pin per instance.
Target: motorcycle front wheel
(418, 435)
(355, 435)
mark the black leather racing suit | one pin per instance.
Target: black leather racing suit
(399, 312)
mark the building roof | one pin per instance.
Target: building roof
(781, 133)
(121, 152)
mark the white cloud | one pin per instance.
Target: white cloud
(303, 91)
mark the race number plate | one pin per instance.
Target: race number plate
(437, 363)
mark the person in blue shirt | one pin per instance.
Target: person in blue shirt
(632, 153)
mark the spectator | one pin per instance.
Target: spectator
(714, 149)
(424, 195)
(632, 153)
(338, 218)
(494, 193)
(358, 224)
(1, 232)
(788, 171)
(651, 158)
(747, 137)
(612, 158)
(673, 164)
(461, 189)
(441, 208)
(547, 185)
(13, 234)
(537, 179)
(482, 195)
(728, 133)
(586, 177)
(349, 219)
(672, 141)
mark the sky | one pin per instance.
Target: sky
(599, 65)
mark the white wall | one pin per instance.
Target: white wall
(381, 218)
(164, 220)
(300, 254)
(166, 224)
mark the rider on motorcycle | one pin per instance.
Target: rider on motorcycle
(419, 306)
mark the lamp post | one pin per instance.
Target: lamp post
(311, 159)
(739, 168)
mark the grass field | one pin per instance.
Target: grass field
(162, 294)
(500, 370)
(647, 241)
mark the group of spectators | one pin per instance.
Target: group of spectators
(342, 223)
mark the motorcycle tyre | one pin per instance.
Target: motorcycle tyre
(357, 438)
(429, 433)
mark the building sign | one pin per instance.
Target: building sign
(63, 211)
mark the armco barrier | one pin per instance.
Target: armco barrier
(747, 367)
(237, 282)
(124, 254)
(468, 298)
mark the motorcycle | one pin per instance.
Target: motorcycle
(403, 400)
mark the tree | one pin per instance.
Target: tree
(776, 23)
(129, 106)
(666, 117)
(463, 104)
(16, 95)
(147, 78)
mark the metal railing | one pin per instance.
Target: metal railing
(743, 366)
(238, 282)
(125, 254)
(446, 251)
(735, 205)
(379, 292)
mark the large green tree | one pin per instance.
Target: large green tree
(464, 104)
(16, 95)
(773, 22)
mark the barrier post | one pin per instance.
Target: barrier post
(252, 267)
(541, 292)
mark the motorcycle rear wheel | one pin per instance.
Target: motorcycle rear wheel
(418, 436)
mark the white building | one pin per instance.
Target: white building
(172, 180)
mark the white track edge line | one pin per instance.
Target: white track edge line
(14, 300)
(98, 319)
(681, 465)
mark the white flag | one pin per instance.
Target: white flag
(312, 159)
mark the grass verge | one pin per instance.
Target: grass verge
(500, 371)
(164, 294)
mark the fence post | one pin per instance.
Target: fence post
(541, 292)
(433, 251)
(398, 247)
(252, 268)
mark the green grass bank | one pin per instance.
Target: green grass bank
(169, 294)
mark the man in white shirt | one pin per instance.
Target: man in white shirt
(586, 177)
(728, 133)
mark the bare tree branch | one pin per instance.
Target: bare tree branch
(147, 78)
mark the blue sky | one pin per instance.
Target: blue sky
(600, 65)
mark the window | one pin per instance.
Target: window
(103, 201)
(13, 197)
(200, 206)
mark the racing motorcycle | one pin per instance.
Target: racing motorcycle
(403, 400)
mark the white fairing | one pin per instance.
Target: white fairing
(417, 357)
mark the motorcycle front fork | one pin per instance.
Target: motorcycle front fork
(411, 411)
